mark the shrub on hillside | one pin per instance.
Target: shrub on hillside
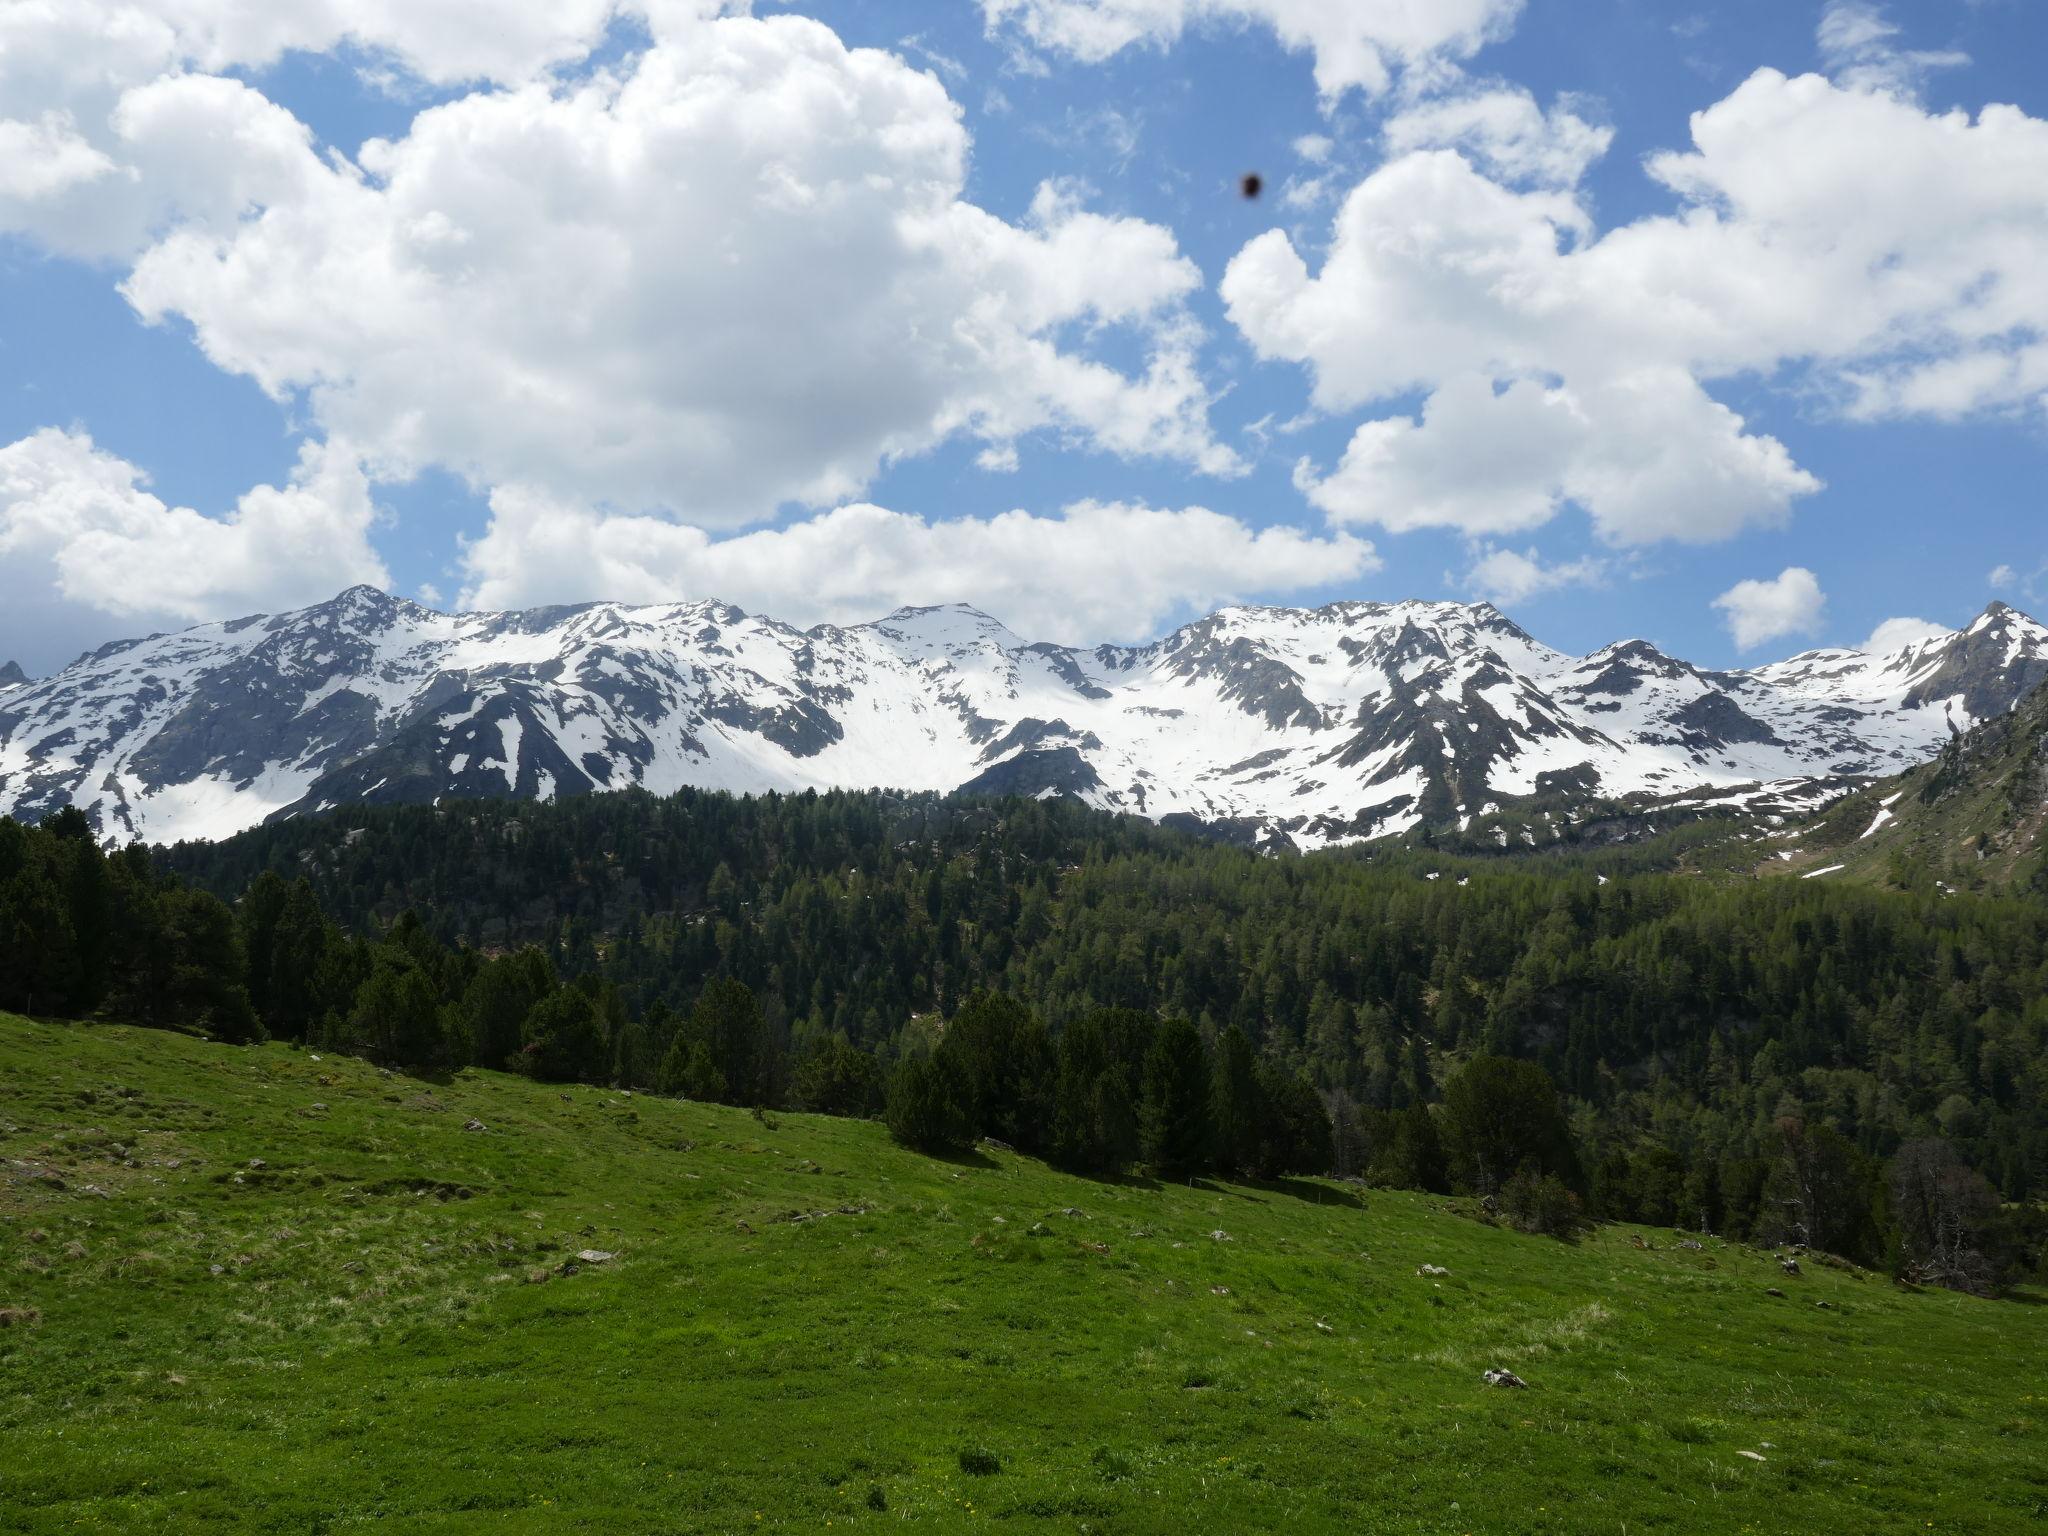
(1543, 1204)
(924, 1109)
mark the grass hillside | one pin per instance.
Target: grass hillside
(1974, 819)
(254, 1290)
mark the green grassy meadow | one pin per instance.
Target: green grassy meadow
(385, 1327)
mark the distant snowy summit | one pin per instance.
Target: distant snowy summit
(1324, 725)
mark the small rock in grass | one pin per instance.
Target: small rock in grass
(1752, 1455)
(1772, 1290)
(1220, 1236)
(595, 1256)
(1501, 1377)
(473, 1125)
(1219, 1290)
(257, 1162)
(1433, 1271)
(539, 1276)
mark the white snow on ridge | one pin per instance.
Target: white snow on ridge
(1351, 721)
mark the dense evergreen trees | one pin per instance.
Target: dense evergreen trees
(925, 1105)
(1176, 1126)
(1502, 1118)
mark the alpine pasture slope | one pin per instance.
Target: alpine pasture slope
(251, 1290)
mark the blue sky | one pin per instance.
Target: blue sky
(152, 305)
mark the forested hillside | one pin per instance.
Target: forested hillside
(1704, 1037)
(1973, 819)
(1684, 1017)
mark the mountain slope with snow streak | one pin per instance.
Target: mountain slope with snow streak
(1351, 721)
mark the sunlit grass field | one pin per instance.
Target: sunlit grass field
(255, 1290)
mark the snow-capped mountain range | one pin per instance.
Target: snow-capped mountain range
(1352, 721)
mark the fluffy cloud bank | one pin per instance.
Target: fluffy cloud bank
(1898, 634)
(1358, 44)
(737, 274)
(1515, 576)
(82, 538)
(1835, 236)
(1791, 603)
(1095, 572)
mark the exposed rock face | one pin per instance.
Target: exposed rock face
(1280, 725)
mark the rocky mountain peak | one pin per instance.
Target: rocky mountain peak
(1348, 721)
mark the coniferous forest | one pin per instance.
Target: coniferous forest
(1858, 1071)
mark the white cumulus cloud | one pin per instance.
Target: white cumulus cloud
(1755, 612)
(1504, 130)
(1886, 259)
(1898, 634)
(1859, 44)
(1096, 571)
(738, 275)
(1359, 44)
(83, 539)
(1510, 576)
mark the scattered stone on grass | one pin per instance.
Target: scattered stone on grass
(1772, 1290)
(473, 1125)
(1500, 1376)
(595, 1256)
(1433, 1272)
(859, 1208)
(1751, 1455)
